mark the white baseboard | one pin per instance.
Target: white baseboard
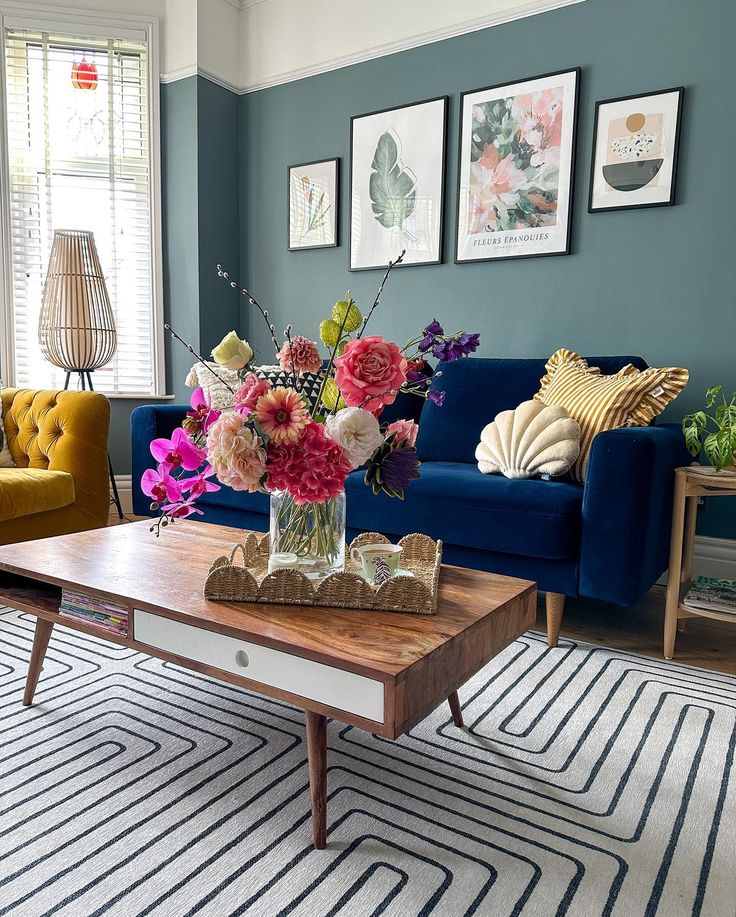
(125, 490)
(715, 557)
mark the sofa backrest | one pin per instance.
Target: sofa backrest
(477, 389)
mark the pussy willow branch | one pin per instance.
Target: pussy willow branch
(253, 301)
(201, 359)
(391, 265)
(294, 375)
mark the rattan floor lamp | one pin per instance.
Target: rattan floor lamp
(76, 327)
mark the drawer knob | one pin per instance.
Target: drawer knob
(241, 657)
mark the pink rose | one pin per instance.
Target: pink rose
(251, 390)
(370, 372)
(405, 430)
(236, 453)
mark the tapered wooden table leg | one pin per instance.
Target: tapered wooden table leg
(40, 643)
(457, 714)
(317, 756)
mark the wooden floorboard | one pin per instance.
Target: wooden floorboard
(705, 643)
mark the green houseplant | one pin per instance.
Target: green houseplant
(714, 433)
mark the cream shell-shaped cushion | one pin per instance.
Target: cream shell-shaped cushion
(532, 440)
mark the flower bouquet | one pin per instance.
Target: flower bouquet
(275, 440)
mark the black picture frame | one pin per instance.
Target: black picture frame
(443, 184)
(573, 160)
(680, 92)
(335, 207)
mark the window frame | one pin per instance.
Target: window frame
(97, 25)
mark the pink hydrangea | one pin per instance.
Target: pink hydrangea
(405, 430)
(370, 372)
(251, 390)
(312, 470)
(236, 452)
(302, 356)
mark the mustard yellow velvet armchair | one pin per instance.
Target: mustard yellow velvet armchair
(58, 441)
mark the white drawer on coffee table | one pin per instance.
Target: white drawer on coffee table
(334, 687)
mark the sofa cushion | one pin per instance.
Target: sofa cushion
(24, 491)
(476, 390)
(234, 499)
(455, 502)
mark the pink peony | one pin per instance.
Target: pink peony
(405, 430)
(370, 372)
(236, 452)
(312, 470)
(250, 391)
(302, 356)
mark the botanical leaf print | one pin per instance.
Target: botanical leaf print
(393, 186)
(515, 158)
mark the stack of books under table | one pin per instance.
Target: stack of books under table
(711, 594)
(99, 612)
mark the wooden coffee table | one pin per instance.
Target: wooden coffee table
(380, 671)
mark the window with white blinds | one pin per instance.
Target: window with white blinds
(79, 157)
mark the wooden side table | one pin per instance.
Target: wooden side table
(691, 483)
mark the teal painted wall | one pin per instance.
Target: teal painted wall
(657, 282)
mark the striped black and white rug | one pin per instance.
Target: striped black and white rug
(589, 783)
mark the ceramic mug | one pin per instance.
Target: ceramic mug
(367, 555)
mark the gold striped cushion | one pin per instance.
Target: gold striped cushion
(629, 398)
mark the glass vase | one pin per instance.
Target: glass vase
(315, 532)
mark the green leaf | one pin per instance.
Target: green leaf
(352, 319)
(711, 395)
(392, 186)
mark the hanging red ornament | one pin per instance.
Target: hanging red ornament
(84, 74)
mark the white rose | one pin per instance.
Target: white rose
(232, 353)
(357, 431)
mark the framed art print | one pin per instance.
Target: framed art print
(313, 204)
(635, 144)
(517, 152)
(397, 176)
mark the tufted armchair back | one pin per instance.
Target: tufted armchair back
(63, 431)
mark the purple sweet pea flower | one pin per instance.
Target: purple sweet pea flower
(430, 333)
(456, 347)
(178, 452)
(436, 397)
(414, 377)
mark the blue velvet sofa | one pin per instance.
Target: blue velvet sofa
(607, 539)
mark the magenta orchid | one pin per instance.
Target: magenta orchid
(160, 486)
(199, 484)
(181, 509)
(178, 452)
(202, 416)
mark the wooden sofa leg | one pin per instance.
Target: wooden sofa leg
(555, 603)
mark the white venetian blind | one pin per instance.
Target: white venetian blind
(79, 158)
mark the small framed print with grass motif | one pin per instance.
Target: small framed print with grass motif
(635, 144)
(313, 204)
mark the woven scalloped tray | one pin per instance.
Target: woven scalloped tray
(229, 581)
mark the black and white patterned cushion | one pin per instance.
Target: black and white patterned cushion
(309, 382)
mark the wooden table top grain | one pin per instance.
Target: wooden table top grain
(166, 575)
